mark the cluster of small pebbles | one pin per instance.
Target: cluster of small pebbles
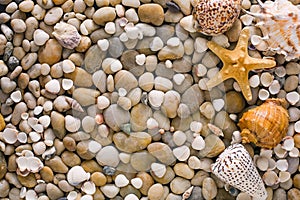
(107, 99)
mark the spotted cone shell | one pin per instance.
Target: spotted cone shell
(265, 125)
(235, 167)
(214, 17)
(279, 22)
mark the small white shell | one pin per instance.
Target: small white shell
(72, 195)
(34, 164)
(39, 148)
(45, 120)
(34, 136)
(31, 194)
(22, 137)
(10, 135)
(280, 152)
(187, 193)
(16, 96)
(270, 178)
(288, 143)
(49, 153)
(77, 175)
(282, 164)
(67, 84)
(137, 182)
(294, 152)
(284, 176)
(88, 187)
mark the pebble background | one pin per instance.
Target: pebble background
(106, 99)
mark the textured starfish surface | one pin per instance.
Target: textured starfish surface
(237, 64)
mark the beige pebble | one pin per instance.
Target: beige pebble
(151, 13)
(53, 15)
(103, 15)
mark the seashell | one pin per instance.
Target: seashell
(235, 167)
(74, 104)
(265, 125)
(10, 135)
(67, 35)
(72, 195)
(39, 148)
(288, 143)
(187, 193)
(212, 17)
(34, 136)
(279, 22)
(215, 130)
(77, 175)
(48, 154)
(34, 164)
(88, 187)
(22, 137)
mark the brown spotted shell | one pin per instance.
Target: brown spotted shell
(265, 125)
(214, 17)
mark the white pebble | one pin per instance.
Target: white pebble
(294, 152)
(218, 104)
(137, 182)
(156, 44)
(103, 44)
(38, 110)
(94, 146)
(169, 64)
(16, 96)
(53, 86)
(131, 197)
(116, 66)
(122, 92)
(179, 138)
(45, 69)
(266, 79)
(72, 124)
(158, 169)
(178, 78)
(110, 28)
(182, 153)
(254, 81)
(152, 123)
(280, 71)
(274, 88)
(121, 180)
(67, 84)
(236, 86)
(102, 102)
(140, 59)
(288, 143)
(292, 97)
(120, 10)
(124, 157)
(132, 32)
(282, 164)
(263, 94)
(123, 37)
(68, 66)
(297, 127)
(40, 37)
(201, 70)
(198, 143)
(196, 126)
(173, 42)
(200, 44)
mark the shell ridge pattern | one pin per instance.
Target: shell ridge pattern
(279, 22)
(235, 167)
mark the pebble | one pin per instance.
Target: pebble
(179, 185)
(198, 143)
(293, 193)
(235, 103)
(115, 116)
(184, 171)
(53, 86)
(4, 188)
(18, 25)
(158, 169)
(209, 188)
(51, 46)
(121, 180)
(108, 155)
(171, 53)
(53, 15)
(293, 97)
(40, 37)
(93, 59)
(53, 191)
(156, 191)
(142, 160)
(141, 139)
(182, 153)
(213, 146)
(85, 96)
(103, 15)
(110, 190)
(162, 152)
(151, 13)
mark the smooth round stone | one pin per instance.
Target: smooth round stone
(53, 16)
(88, 124)
(193, 98)
(53, 86)
(93, 59)
(294, 193)
(116, 47)
(108, 155)
(109, 28)
(121, 180)
(53, 191)
(146, 81)
(179, 138)
(158, 169)
(171, 103)
(291, 83)
(213, 146)
(28, 181)
(156, 44)
(198, 143)
(179, 185)
(171, 53)
(279, 194)
(136, 182)
(140, 139)
(103, 15)
(57, 165)
(85, 96)
(182, 153)
(99, 80)
(26, 6)
(200, 45)
(162, 152)
(110, 190)
(184, 171)
(125, 79)
(292, 68)
(147, 182)
(40, 37)
(209, 188)
(98, 178)
(141, 161)
(50, 53)
(115, 116)
(72, 124)
(292, 97)
(235, 103)
(162, 84)
(156, 98)
(156, 191)
(151, 13)
(18, 25)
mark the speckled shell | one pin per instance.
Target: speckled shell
(279, 22)
(214, 17)
(265, 125)
(235, 167)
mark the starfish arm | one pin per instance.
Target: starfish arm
(255, 63)
(221, 52)
(243, 40)
(245, 87)
(217, 79)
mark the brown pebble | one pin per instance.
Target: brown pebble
(47, 174)
(27, 181)
(297, 140)
(69, 143)
(57, 165)
(50, 53)
(70, 158)
(98, 178)
(296, 181)
(293, 194)
(151, 13)
(91, 166)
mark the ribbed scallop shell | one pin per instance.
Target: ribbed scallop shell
(265, 125)
(279, 22)
(214, 17)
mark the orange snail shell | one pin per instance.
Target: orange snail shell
(265, 125)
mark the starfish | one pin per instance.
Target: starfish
(237, 64)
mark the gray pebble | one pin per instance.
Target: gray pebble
(12, 63)
(116, 47)
(293, 164)
(279, 194)
(196, 194)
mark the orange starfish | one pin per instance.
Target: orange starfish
(237, 64)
